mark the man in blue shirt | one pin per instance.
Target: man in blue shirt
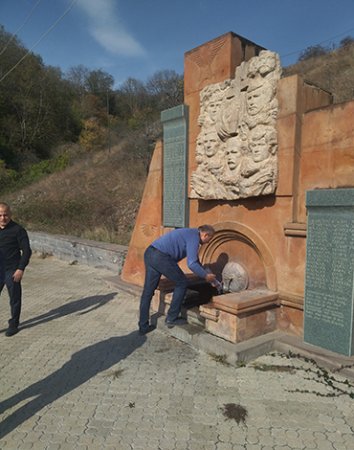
(161, 258)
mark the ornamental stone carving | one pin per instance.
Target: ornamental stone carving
(236, 149)
(234, 277)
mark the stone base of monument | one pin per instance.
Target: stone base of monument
(239, 316)
(199, 292)
(290, 314)
(235, 317)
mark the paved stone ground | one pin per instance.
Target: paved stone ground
(78, 376)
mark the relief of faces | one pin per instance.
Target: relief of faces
(212, 108)
(211, 143)
(262, 143)
(199, 150)
(265, 63)
(216, 168)
(259, 150)
(259, 99)
(233, 152)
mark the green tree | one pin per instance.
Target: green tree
(94, 93)
(36, 105)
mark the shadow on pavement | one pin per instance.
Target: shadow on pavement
(81, 306)
(82, 366)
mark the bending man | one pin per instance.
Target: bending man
(161, 258)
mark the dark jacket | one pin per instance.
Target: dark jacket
(2, 268)
(15, 246)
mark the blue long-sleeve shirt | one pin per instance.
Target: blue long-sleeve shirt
(182, 243)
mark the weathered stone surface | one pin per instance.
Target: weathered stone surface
(234, 277)
(237, 144)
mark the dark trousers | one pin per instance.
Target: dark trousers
(157, 264)
(15, 294)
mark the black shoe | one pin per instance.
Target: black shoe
(11, 331)
(143, 331)
(178, 321)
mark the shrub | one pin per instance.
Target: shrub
(7, 176)
(93, 136)
(312, 52)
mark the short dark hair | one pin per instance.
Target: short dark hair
(206, 229)
(5, 205)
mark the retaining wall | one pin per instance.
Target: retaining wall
(71, 248)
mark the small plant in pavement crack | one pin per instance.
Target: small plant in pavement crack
(232, 411)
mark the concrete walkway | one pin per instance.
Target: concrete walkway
(78, 376)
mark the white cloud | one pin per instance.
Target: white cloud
(107, 29)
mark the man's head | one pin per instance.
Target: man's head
(206, 232)
(5, 214)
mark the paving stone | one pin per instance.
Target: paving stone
(84, 379)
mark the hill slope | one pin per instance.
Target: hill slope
(333, 72)
(96, 198)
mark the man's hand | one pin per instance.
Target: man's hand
(210, 277)
(17, 276)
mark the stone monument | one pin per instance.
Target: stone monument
(252, 144)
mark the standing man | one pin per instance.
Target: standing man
(161, 258)
(16, 252)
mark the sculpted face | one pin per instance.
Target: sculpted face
(212, 108)
(258, 99)
(260, 148)
(267, 63)
(211, 143)
(233, 152)
(262, 142)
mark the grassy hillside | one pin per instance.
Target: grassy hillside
(333, 72)
(95, 198)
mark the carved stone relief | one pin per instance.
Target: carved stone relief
(236, 151)
(234, 277)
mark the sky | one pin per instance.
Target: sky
(137, 38)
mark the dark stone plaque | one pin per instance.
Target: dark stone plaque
(329, 299)
(175, 157)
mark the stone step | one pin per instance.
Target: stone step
(244, 301)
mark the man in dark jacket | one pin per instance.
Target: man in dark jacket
(2, 268)
(16, 252)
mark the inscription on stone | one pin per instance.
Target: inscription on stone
(329, 300)
(175, 166)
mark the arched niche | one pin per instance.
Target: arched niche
(236, 242)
